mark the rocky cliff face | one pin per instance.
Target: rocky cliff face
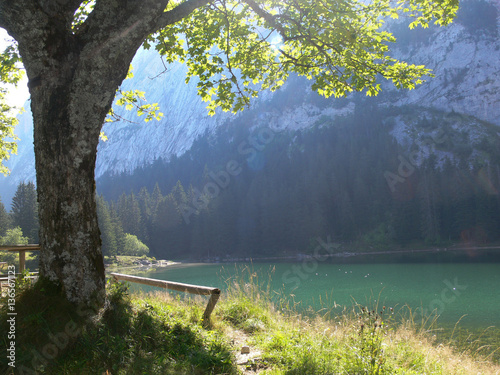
(465, 58)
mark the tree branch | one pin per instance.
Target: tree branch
(12, 10)
(55, 8)
(269, 18)
(112, 23)
(180, 12)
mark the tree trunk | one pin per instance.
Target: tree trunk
(69, 105)
(73, 80)
(65, 151)
(73, 77)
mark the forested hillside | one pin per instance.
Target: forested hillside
(253, 192)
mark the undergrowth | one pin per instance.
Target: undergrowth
(130, 335)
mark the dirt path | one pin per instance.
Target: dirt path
(248, 363)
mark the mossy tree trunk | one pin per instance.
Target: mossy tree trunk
(73, 78)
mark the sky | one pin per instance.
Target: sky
(17, 95)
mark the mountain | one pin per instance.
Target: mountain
(465, 58)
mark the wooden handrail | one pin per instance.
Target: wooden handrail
(214, 293)
(32, 247)
(22, 253)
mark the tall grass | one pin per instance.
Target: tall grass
(364, 339)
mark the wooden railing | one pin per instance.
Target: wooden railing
(21, 249)
(214, 293)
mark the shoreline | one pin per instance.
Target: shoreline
(356, 256)
(140, 265)
(473, 254)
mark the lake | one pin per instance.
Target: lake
(454, 291)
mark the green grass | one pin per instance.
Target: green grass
(374, 340)
(130, 336)
(163, 334)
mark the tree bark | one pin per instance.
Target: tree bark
(66, 141)
(73, 78)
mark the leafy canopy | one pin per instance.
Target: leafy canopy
(235, 48)
(133, 246)
(14, 237)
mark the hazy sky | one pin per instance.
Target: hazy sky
(17, 96)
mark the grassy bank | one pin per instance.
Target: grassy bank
(161, 334)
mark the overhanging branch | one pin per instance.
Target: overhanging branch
(180, 12)
(10, 10)
(269, 18)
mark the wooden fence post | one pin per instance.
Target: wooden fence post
(214, 297)
(214, 293)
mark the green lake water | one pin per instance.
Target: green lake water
(470, 292)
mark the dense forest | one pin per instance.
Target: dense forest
(256, 192)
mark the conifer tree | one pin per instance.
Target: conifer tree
(4, 219)
(25, 210)
(144, 202)
(130, 214)
(117, 228)
(106, 226)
